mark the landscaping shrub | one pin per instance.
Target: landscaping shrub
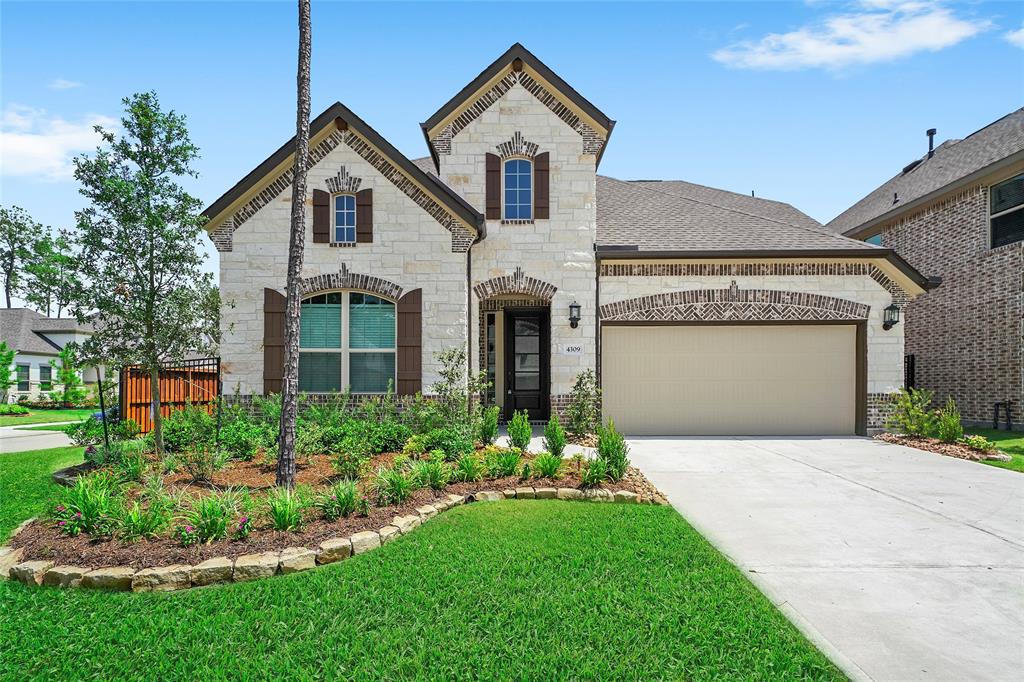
(242, 438)
(554, 437)
(415, 446)
(188, 427)
(340, 501)
(948, 426)
(89, 506)
(519, 430)
(452, 441)
(285, 507)
(206, 519)
(86, 432)
(613, 451)
(468, 468)
(976, 442)
(386, 436)
(392, 485)
(202, 462)
(433, 474)
(547, 465)
(135, 522)
(132, 466)
(349, 463)
(453, 391)
(488, 427)
(422, 415)
(593, 474)
(309, 441)
(501, 462)
(12, 410)
(584, 410)
(911, 415)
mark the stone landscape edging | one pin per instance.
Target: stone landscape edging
(248, 567)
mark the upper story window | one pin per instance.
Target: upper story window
(518, 189)
(347, 339)
(1007, 211)
(344, 219)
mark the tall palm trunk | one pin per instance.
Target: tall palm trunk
(296, 246)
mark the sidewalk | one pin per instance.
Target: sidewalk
(19, 439)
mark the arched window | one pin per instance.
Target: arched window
(346, 340)
(518, 189)
(344, 219)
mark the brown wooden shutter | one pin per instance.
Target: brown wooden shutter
(541, 184)
(321, 217)
(364, 216)
(410, 343)
(493, 192)
(273, 341)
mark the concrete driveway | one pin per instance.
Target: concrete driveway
(20, 439)
(899, 564)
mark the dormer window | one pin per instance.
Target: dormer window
(344, 219)
(518, 183)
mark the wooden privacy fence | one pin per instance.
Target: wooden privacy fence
(195, 382)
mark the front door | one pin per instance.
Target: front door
(527, 359)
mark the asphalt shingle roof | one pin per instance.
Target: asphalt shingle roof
(953, 160)
(17, 328)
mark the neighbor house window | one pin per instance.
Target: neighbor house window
(1007, 211)
(518, 189)
(23, 384)
(346, 340)
(45, 378)
(875, 239)
(344, 219)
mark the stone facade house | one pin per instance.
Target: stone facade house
(701, 310)
(37, 340)
(958, 212)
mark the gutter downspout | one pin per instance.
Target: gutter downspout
(597, 319)
(469, 309)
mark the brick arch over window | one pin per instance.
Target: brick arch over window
(516, 283)
(732, 304)
(343, 279)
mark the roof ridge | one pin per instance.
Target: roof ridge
(719, 189)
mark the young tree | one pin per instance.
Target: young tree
(51, 274)
(69, 378)
(139, 250)
(7, 378)
(18, 232)
(296, 246)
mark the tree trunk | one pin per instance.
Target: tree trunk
(158, 420)
(296, 247)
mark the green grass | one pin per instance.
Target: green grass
(47, 427)
(510, 590)
(43, 416)
(1010, 442)
(26, 486)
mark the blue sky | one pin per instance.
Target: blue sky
(813, 103)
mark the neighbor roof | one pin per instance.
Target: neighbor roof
(24, 330)
(339, 111)
(955, 163)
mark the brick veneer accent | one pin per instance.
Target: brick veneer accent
(462, 238)
(967, 335)
(516, 283)
(442, 142)
(343, 279)
(742, 305)
(343, 182)
(880, 406)
(517, 146)
(900, 296)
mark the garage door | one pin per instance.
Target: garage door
(730, 380)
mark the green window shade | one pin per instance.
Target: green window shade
(319, 372)
(320, 326)
(23, 383)
(371, 325)
(45, 378)
(371, 372)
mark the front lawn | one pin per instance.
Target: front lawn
(1010, 442)
(25, 484)
(45, 416)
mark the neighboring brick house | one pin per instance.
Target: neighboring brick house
(958, 213)
(702, 311)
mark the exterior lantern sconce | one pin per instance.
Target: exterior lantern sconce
(891, 317)
(574, 314)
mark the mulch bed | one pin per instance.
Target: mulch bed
(939, 447)
(43, 541)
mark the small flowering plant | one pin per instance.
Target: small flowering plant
(242, 528)
(187, 535)
(89, 506)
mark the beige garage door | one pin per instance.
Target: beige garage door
(730, 380)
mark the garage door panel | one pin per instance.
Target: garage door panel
(730, 380)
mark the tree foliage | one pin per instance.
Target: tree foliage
(69, 378)
(51, 274)
(7, 377)
(139, 245)
(18, 234)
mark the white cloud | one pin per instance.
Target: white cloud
(35, 144)
(63, 84)
(876, 31)
(1015, 37)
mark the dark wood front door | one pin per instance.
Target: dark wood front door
(527, 361)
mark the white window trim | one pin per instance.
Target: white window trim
(533, 190)
(344, 351)
(334, 218)
(991, 215)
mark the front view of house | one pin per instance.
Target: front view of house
(702, 311)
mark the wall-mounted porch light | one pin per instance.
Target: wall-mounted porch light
(574, 314)
(891, 317)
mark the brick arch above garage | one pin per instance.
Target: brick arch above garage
(733, 304)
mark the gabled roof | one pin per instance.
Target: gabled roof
(333, 113)
(517, 52)
(25, 330)
(956, 163)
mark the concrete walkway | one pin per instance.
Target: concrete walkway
(20, 439)
(899, 564)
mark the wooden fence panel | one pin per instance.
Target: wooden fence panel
(192, 382)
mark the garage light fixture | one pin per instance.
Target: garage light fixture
(574, 314)
(891, 317)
